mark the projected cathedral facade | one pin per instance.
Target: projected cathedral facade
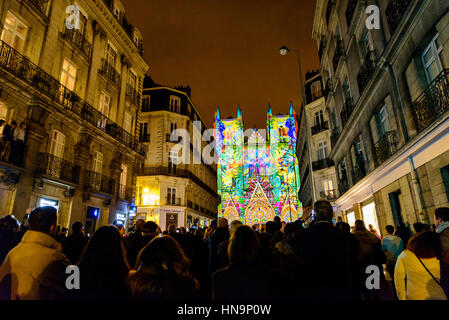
(258, 175)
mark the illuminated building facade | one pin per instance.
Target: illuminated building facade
(257, 171)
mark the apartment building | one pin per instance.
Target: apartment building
(388, 106)
(77, 87)
(171, 190)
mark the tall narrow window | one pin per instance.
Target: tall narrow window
(105, 103)
(144, 137)
(97, 165)
(132, 79)
(124, 175)
(146, 104)
(382, 122)
(68, 75)
(128, 122)
(14, 32)
(111, 55)
(172, 162)
(322, 150)
(171, 195)
(175, 104)
(431, 58)
(57, 144)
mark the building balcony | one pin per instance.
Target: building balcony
(320, 128)
(52, 167)
(334, 136)
(125, 193)
(322, 164)
(339, 52)
(385, 147)
(366, 70)
(394, 12)
(173, 201)
(329, 195)
(350, 10)
(96, 182)
(79, 41)
(132, 95)
(433, 102)
(109, 71)
(23, 69)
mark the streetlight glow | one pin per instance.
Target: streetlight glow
(284, 51)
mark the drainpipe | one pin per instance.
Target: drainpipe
(422, 216)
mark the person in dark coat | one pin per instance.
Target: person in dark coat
(8, 139)
(328, 259)
(222, 250)
(9, 235)
(73, 245)
(245, 278)
(218, 236)
(148, 232)
(403, 232)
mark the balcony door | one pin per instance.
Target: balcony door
(104, 107)
(111, 55)
(431, 58)
(322, 150)
(172, 162)
(171, 196)
(57, 150)
(97, 168)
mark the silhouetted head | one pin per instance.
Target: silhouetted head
(8, 225)
(43, 219)
(244, 246)
(139, 224)
(149, 229)
(235, 224)
(419, 227)
(323, 211)
(441, 215)
(359, 225)
(77, 227)
(390, 229)
(223, 223)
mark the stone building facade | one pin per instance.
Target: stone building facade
(78, 92)
(388, 106)
(169, 190)
(319, 180)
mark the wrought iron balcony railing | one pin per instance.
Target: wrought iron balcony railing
(320, 128)
(173, 201)
(339, 52)
(350, 9)
(329, 195)
(79, 41)
(334, 136)
(132, 95)
(125, 193)
(57, 168)
(367, 70)
(97, 182)
(22, 68)
(433, 102)
(108, 70)
(181, 173)
(358, 174)
(322, 164)
(385, 147)
(41, 5)
(394, 12)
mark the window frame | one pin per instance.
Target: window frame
(58, 139)
(432, 46)
(68, 75)
(13, 30)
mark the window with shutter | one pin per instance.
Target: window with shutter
(128, 122)
(57, 144)
(98, 162)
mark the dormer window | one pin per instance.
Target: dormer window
(316, 90)
(175, 104)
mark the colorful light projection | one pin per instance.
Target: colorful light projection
(258, 177)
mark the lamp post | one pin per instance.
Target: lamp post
(284, 50)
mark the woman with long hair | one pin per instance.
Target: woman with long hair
(104, 267)
(417, 271)
(163, 272)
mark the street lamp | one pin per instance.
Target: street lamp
(284, 50)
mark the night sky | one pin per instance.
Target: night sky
(228, 51)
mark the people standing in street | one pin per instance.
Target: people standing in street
(74, 244)
(35, 269)
(417, 271)
(392, 246)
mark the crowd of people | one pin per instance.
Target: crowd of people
(226, 261)
(12, 142)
